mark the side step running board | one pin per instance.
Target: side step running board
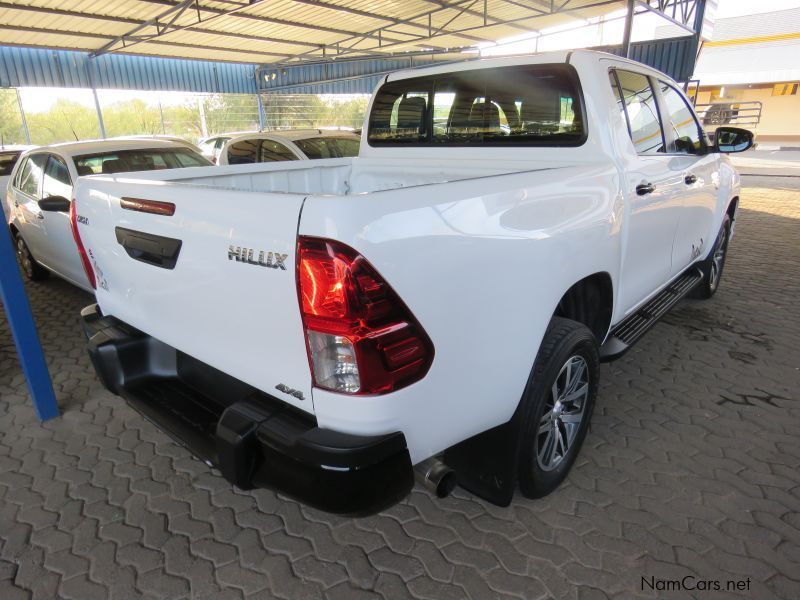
(629, 331)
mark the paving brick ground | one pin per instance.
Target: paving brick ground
(691, 468)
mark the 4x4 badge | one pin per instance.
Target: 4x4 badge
(273, 260)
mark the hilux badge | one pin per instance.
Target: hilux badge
(273, 260)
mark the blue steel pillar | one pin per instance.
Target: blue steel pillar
(29, 349)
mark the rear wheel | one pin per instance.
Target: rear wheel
(32, 269)
(712, 267)
(557, 405)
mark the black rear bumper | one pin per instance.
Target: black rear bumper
(254, 439)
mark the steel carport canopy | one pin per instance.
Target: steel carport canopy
(281, 31)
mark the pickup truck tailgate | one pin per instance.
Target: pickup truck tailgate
(215, 280)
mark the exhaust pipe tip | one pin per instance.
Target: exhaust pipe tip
(436, 476)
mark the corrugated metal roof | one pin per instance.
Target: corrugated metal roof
(270, 31)
(674, 56)
(23, 67)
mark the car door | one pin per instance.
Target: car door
(652, 190)
(699, 169)
(25, 190)
(61, 251)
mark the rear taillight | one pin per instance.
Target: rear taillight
(362, 339)
(73, 221)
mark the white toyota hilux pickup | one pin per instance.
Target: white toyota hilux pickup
(438, 304)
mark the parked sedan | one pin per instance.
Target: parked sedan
(300, 144)
(40, 191)
(9, 155)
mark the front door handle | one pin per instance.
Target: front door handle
(645, 188)
(690, 179)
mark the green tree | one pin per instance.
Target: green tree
(132, 117)
(65, 121)
(11, 130)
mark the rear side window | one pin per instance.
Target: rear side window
(331, 147)
(30, 176)
(686, 132)
(637, 102)
(125, 161)
(528, 105)
(7, 162)
(258, 150)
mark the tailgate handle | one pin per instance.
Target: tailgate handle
(149, 248)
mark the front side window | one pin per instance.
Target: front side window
(685, 128)
(125, 161)
(31, 175)
(527, 105)
(637, 102)
(328, 147)
(56, 179)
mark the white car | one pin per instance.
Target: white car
(167, 138)
(9, 155)
(300, 144)
(442, 301)
(40, 190)
(212, 146)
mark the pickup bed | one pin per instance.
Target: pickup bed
(441, 301)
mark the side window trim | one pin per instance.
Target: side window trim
(30, 159)
(661, 103)
(621, 99)
(652, 82)
(18, 177)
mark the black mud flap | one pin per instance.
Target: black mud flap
(486, 464)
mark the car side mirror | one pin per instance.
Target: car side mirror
(54, 204)
(732, 139)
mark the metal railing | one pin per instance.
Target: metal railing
(739, 114)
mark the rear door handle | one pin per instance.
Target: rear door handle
(645, 188)
(690, 179)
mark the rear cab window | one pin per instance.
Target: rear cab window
(526, 105)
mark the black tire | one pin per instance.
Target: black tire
(564, 342)
(32, 269)
(714, 264)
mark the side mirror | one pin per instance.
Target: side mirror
(732, 139)
(54, 204)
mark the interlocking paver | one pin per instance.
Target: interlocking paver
(692, 466)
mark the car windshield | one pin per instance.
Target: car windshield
(7, 162)
(123, 161)
(328, 147)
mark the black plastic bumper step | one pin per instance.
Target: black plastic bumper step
(629, 331)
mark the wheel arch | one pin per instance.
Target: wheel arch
(733, 206)
(589, 301)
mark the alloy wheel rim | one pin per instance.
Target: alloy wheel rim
(563, 413)
(718, 260)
